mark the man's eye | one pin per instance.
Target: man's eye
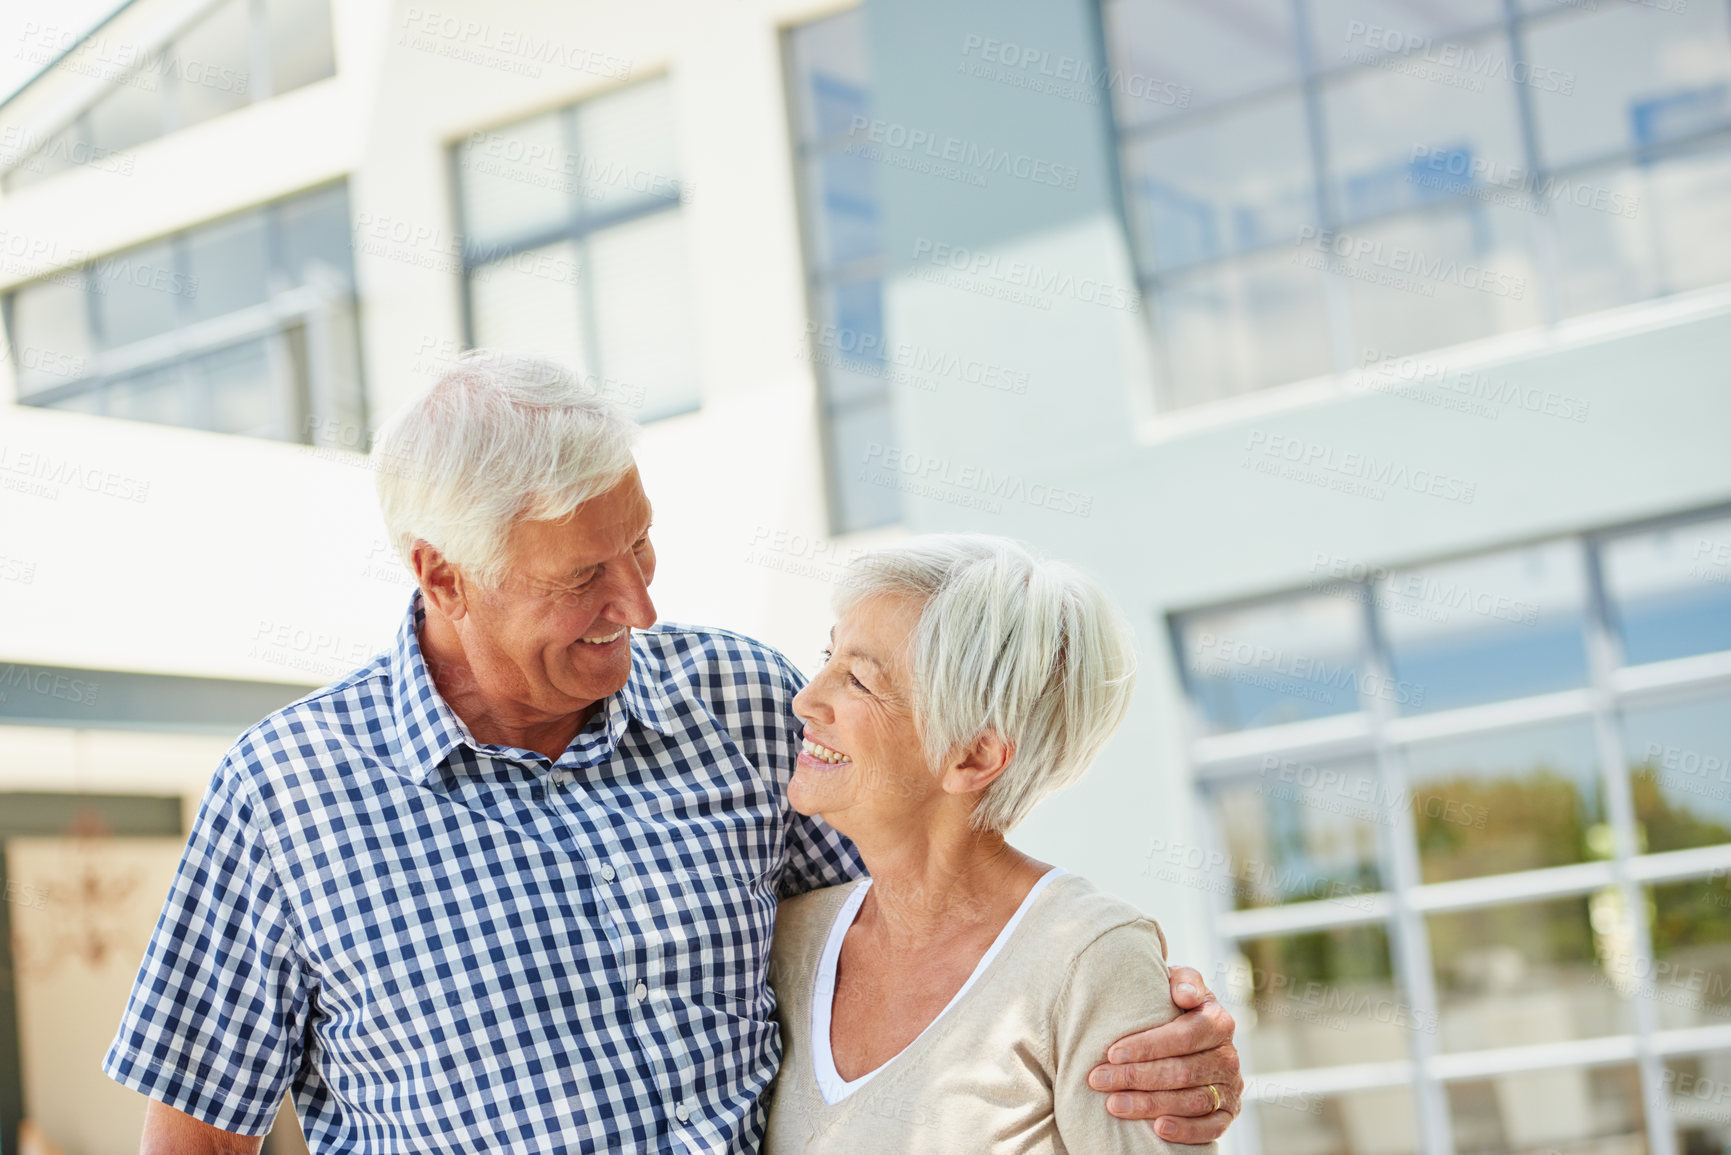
(642, 544)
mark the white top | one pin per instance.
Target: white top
(830, 1084)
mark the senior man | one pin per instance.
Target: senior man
(511, 886)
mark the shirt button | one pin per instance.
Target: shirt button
(606, 872)
(682, 1112)
(641, 993)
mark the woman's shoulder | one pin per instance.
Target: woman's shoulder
(803, 921)
(1078, 914)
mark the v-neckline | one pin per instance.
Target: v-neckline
(831, 1086)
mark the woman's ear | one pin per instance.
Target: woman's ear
(977, 764)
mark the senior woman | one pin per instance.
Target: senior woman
(956, 999)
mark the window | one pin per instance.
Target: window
(1311, 185)
(830, 77)
(574, 246)
(1473, 831)
(243, 325)
(233, 54)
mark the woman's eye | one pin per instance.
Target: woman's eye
(857, 683)
(823, 657)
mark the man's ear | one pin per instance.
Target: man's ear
(977, 764)
(441, 583)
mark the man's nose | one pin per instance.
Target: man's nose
(631, 604)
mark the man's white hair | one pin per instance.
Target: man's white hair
(1029, 649)
(499, 438)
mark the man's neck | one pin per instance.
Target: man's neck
(493, 719)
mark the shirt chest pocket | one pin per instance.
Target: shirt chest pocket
(728, 920)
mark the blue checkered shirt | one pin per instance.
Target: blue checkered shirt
(441, 945)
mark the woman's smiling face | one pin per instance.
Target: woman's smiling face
(862, 766)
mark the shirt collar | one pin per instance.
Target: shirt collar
(428, 729)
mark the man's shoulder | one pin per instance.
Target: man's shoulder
(350, 715)
(715, 661)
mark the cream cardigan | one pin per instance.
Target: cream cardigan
(1004, 1070)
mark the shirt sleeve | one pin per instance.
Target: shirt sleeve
(817, 855)
(216, 1020)
(1118, 986)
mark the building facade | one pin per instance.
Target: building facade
(1373, 355)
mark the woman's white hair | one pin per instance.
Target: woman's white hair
(1029, 649)
(499, 438)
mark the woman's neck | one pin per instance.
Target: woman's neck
(932, 886)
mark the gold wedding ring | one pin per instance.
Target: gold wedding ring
(1215, 1091)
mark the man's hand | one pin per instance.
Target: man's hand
(1165, 1073)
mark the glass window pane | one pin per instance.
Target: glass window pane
(845, 224)
(1608, 251)
(210, 65)
(50, 332)
(230, 263)
(1531, 972)
(156, 395)
(1439, 278)
(1690, 980)
(1271, 664)
(1383, 1121)
(1507, 801)
(313, 231)
(641, 282)
(1398, 138)
(57, 154)
(1172, 55)
(1640, 76)
(1320, 999)
(531, 303)
(136, 293)
(865, 495)
(1507, 625)
(832, 74)
(1679, 756)
(848, 347)
(1568, 1111)
(1670, 590)
(1247, 325)
(240, 391)
(1300, 832)
(1697, 1089)
(1204, 189)
(131, 112)
(517, 180)
(626, 149)
(302, 44)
